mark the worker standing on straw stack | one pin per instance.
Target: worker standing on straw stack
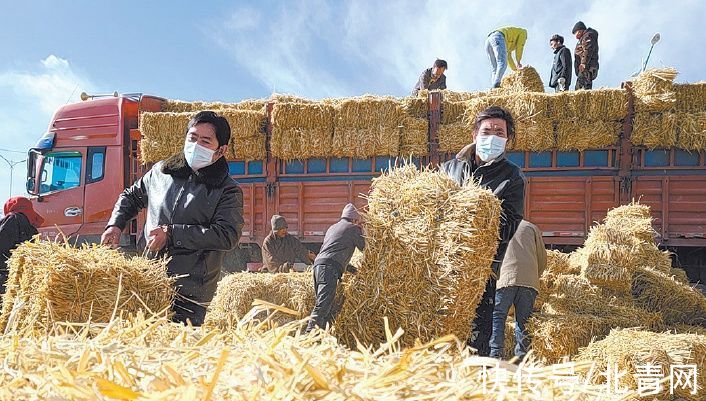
(432, 78)
(500, 45)
(280, 250)
(194, 213)
(340, 242)
(19, 225)
(560, 78)
(518, 285)
(585, 55)
(484, 162)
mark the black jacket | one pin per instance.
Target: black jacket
(586, 51)
(561, 67)
(15, 229)
(204, 211)
(504, 179)
(424, 82)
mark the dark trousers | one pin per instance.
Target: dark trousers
(585, 79)
(325, 280)
(185, 309)
(523, 300)
(482, 326)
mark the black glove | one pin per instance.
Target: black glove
(351, 269)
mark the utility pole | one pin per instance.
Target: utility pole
(12, 165)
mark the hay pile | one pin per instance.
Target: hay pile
(163, 134)
(51, 282)
(523, 80)
(302, 130)
(429, 248)
(367, 126)
(236, 293)
(654, 90)
(632, 350)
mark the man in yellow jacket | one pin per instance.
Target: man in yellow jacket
(500, 45)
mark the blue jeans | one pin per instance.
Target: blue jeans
(497, 54)
(523, 299)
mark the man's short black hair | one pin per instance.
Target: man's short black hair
(557, 38)
(219, 122)
(496, 112)
(439, 63)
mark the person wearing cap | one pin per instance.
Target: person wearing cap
(281, 250)
(585, 55)
(432, 78)
(484, 162)
(340, 242)
(560, 78)
(19, 225)
(194, 214)
(500, 45)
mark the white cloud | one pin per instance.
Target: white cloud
(31, 96)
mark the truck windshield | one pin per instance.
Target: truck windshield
(60, 171)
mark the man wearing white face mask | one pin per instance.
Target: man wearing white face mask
(484, 162)
(194, 213)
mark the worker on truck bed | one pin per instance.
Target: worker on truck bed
(500, 45)
(560, 78)
(194, 213)
(585, 55)
(432, 78)
(340, 242)
(484, 162)
(280, 250)
(518, 285)
(17, 226)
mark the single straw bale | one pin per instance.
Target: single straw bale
(53, 282)
(453, 137)
(691, 98)
(414, 137)
(452, 112)
(534, 135)
(180, 106)
(523, 80)
(582, 134)
(654, 90)
(691, 131)
(417, 107)
(677, 301)
(247, 139)
(236, 293)
(556, 337)
(302, 130)
(654, 130)
(367, 126)
(633, 219)
(428, 254)
(607, 104)
(163, 135)
(451, 96)
(523, 106)
(289, 98)
(559, 263)
(630, 351)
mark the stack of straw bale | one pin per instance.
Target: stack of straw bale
(632, 350)
(236, 293)
(523, 80)
(163, 134)
(302, 130)
(367, 126)
(429, 248)
(50, 282)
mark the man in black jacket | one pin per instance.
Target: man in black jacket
(19, 225)
(432, 78)
(585, 55)
(484, 162)
(194, 213)
(561, 68)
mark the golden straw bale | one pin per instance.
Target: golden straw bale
(535, 135)
(691, 98)
(678, 302)
(606, 104)
(302, 130)
(163, 135)
(180, 106)
(236, 293)
(367, 126)
(691, 131)
(451, 96)
(453, 137)
(52, 282)
(429, 249)
(247, 139)
(559, 263)
(587, 134)
(654, 130)
(555, 337)
(452, 112)
(681, 328)
(416, 106)
(523, 80)
(523, 106)
(288, 98)
(414, 137)
(633, 219)
(630, 351)
(654, 90)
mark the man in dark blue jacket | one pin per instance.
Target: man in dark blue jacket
(561, 68)
(484, 162)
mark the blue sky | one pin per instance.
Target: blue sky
(226, 51)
